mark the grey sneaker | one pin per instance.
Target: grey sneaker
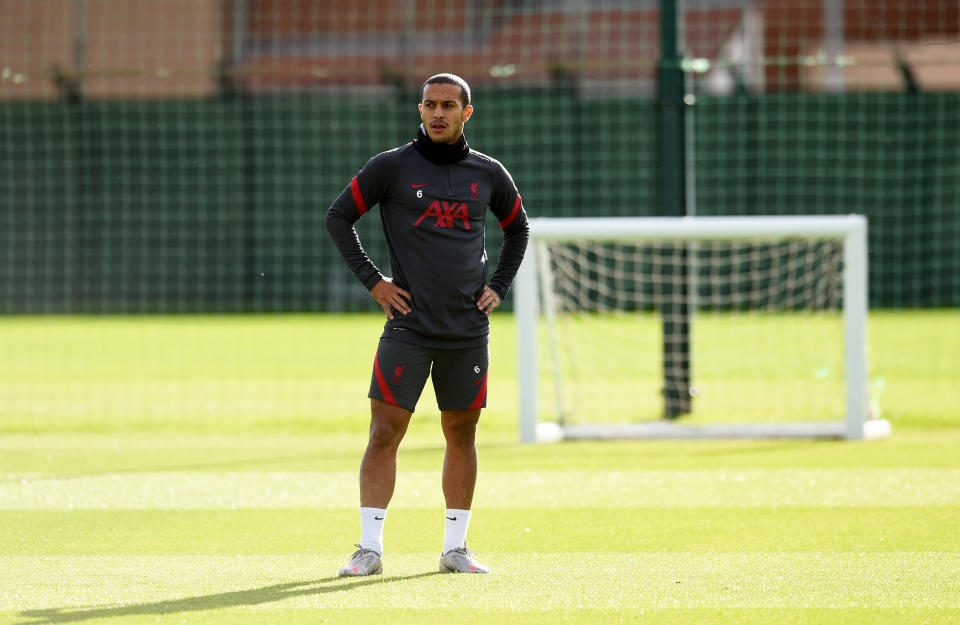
(461, 560)
(363, 562)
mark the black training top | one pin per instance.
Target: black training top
(433, 199)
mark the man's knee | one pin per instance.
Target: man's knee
(460, 427)
(388, 424)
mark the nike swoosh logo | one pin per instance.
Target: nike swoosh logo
(378, 518)
(451, 518)
(417, 186)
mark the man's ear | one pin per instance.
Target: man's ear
(467, 112)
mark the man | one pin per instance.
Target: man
(433, 195)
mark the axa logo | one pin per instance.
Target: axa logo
(445, 213)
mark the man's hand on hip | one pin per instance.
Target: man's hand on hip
(390, 296)
(488, 300)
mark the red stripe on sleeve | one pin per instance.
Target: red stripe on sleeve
(481, 396)
(382, 383)
(513, 214)
(357, 196)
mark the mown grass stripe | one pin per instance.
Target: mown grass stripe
(487, 615)
(422, 449)
(139, 615)
(188, 583)
(545, 489)
(139, 532)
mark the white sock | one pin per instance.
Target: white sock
(371, 528)
(455, 529)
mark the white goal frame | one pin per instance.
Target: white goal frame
(851, 230)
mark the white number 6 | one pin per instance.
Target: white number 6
(419, 192)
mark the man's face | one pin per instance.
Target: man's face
(442, 112)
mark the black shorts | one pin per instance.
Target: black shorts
(459, 375)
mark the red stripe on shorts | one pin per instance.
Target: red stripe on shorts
(382, 383)
(481, 396)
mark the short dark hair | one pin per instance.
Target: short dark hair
(449, 79)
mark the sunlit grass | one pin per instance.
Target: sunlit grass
(311, 372)
(203, 470)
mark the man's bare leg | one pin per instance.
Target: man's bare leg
(459, 481)
(378, 475)
(378, 471)
(460, 460)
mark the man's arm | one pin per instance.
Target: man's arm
(339, 224)
(365, 190)
(507, 206)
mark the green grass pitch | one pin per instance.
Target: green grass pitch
(203, 470)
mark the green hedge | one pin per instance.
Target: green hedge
(217, 206)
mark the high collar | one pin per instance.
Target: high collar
(441, 152)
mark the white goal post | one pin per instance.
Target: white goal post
(536, 324)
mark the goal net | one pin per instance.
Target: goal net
(694, 327)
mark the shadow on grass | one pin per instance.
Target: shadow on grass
(238, 598)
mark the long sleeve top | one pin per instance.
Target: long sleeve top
(433, 203)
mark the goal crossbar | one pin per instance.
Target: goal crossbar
(851, 230)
